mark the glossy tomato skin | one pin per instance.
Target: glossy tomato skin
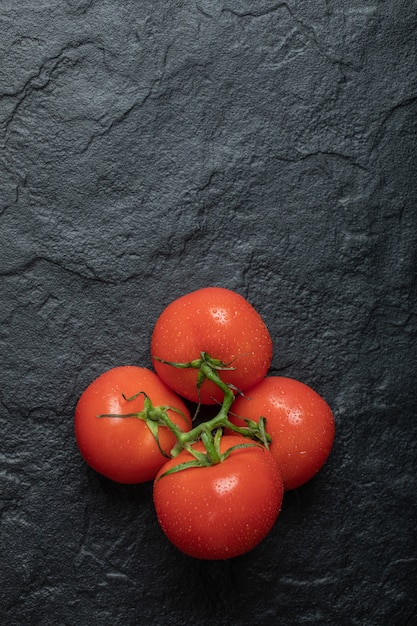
(221, 323)
(224, 510)
(123, 449)
(299, 421)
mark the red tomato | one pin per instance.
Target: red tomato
(225, 326)
(123, 449)
(224, 510)
(299, 421)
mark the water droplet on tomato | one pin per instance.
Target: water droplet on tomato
(223, 486)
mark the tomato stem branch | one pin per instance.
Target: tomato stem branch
(220, 421)
(210, 431)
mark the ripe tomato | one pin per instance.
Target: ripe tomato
(224, 510)
(123, 448)
(299, 421)
(221, 323)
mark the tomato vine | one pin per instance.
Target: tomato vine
(210, 431)
(268, 434)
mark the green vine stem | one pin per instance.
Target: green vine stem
(208, 369)
(208, 432)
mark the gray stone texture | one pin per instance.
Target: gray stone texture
(152, 148)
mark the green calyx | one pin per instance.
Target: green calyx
(153, 416)
(208, 368)
(210, 431)
(212, 456)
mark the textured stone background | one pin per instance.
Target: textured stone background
(152, 148)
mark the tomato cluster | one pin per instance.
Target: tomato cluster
(219, 484)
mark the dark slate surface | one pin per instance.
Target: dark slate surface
(151, 148)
